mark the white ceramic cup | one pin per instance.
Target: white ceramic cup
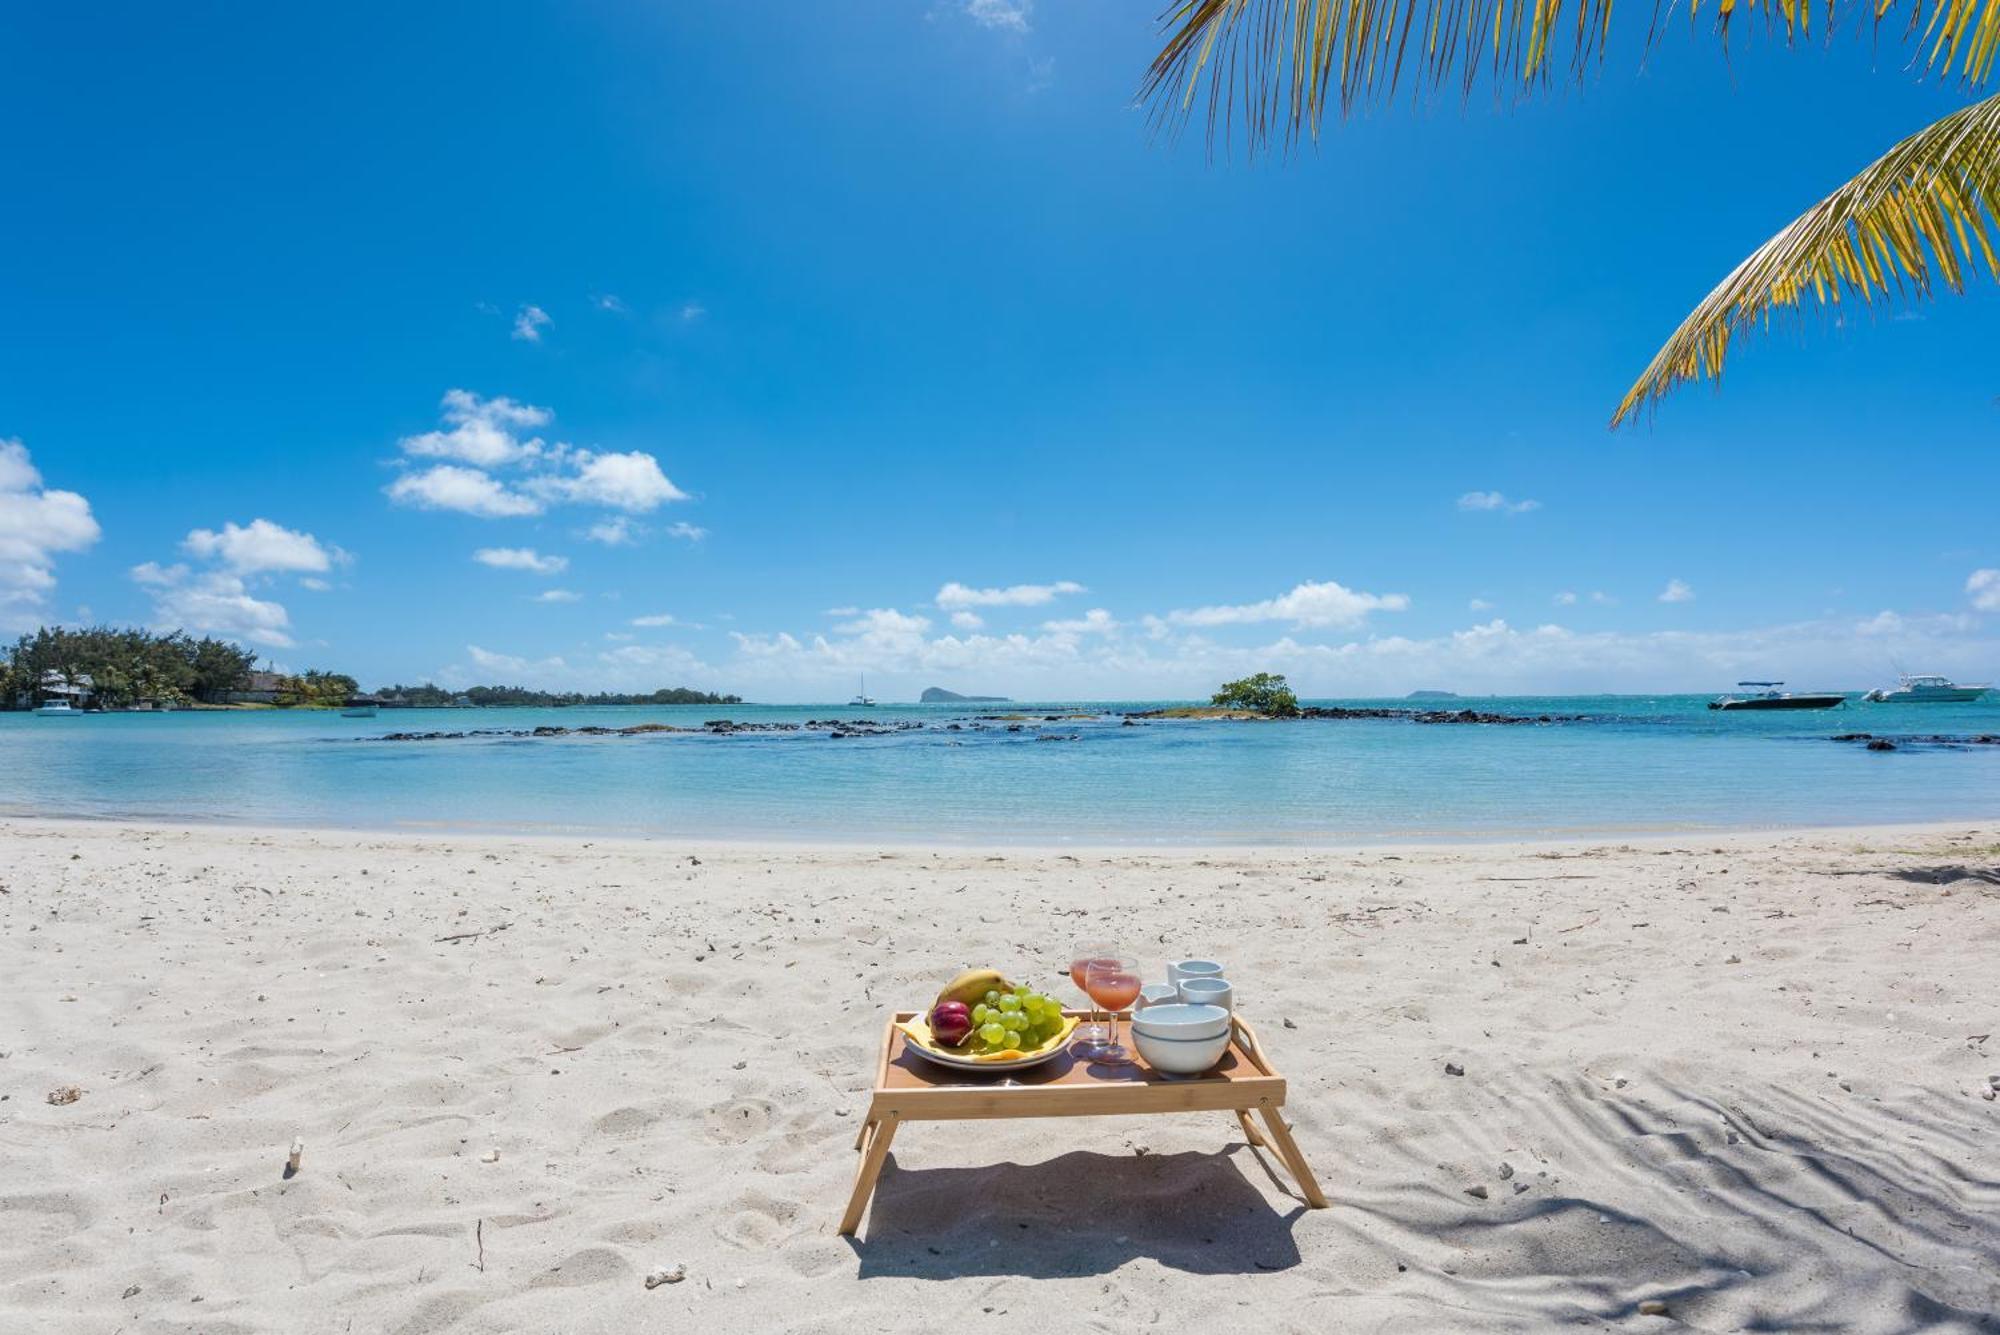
(1208, 991)
(1178, 970)
(1156, 994)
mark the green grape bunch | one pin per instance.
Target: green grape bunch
(1021, 1020)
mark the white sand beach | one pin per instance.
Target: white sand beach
(1745, 1076)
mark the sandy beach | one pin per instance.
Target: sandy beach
(1745, 1076)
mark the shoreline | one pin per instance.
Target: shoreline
(1468, 842)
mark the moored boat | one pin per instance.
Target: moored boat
(1766, 695)
(57, 709)
(1926, 689)
(361, 706)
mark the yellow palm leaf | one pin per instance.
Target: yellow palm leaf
(1920, 216)
(1276, 63)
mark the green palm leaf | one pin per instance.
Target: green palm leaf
(1921, 215)
(1277, 63)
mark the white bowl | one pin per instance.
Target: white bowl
(1180, 1056)
(1179, 969)
(1181, 1023)
(1208, 992)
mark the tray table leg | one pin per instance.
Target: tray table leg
(1281, 1136)
(1250, 1132)
(878, 1134)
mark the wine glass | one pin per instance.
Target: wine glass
(1090, 1036)
(1113, 982)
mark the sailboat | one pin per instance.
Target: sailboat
(862, 701)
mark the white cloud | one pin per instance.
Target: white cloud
(1983, 588)
(1603, 599)
(485, 432)
(616, 532)
(692, 311)
(489, 435)
(1096, 621)
(557, 596)
(521, 558)
(1677, 591)
(885, 624)
(262, 547)
(606, 301)
(1309, 604)
(1567, 598)
(219, 601)
(36, 525)
(1479, 605)
(449, 487)
(686, 531)
(1000, 15)
(213, 603)
(154, 575)
(955, 594)
(967, 620)
(529, 322)
(656, 619)
(315, 584)
(631, 481)
(1495, 501)
(630, 667)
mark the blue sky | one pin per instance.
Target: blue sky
(756, 348)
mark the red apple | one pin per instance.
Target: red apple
(951, 1022)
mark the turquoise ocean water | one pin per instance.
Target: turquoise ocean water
(1637, 764)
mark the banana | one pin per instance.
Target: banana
(972, 986)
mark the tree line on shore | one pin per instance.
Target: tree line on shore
(114, 667)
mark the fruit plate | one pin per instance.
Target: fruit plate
(918, 1031)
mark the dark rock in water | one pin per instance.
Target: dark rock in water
(1935, 740)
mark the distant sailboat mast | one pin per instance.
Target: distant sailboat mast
(862, 701)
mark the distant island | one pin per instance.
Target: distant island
(938, 695)
(1432, 695)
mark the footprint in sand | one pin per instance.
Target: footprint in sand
(760, 1223)
(802, 1147)
(592, 1265)
(625, 1123)
(738, 1120)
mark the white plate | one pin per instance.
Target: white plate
(968, 1064)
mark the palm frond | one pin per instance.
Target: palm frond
(1922, 215)
(1277, 64)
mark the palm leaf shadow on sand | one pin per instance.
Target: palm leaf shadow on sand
(1077, 1214)
(1768, 1211)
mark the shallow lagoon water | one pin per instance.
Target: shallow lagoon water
(1636, 764)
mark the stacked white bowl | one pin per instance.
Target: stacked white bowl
(1179, 1039)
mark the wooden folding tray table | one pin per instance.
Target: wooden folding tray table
(911, 1088)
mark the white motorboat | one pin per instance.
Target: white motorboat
(1926, 689)
(57, 709)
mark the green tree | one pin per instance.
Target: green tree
(1265, 693)
(218, 667)
(1918, 218)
